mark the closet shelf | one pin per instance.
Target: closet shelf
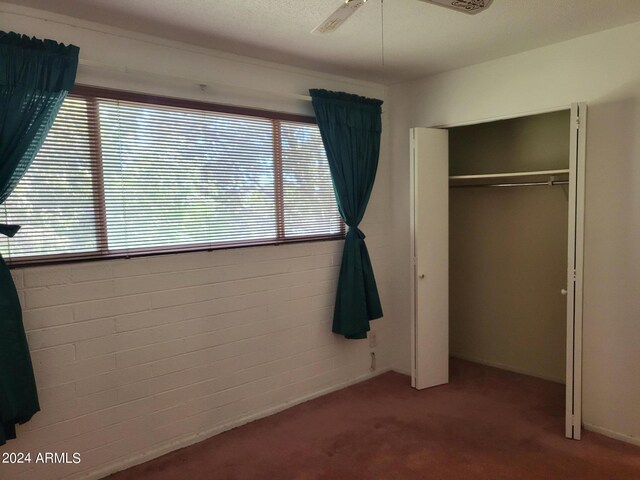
(489, 176)
(514, 179)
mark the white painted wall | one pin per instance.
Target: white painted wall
(137, 357)
(600, 69)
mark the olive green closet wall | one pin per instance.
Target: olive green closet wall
(508, 247)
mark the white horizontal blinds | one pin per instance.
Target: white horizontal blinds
(120, 177)
(183, 177)
(309, 202)
(54, 201)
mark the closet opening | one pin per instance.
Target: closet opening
(497, 222)
(508, 218)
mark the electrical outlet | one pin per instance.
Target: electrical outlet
(373, 339)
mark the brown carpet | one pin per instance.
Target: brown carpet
(486, 424)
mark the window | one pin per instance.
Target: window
(121, 174)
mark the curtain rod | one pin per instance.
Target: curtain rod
(203, 84)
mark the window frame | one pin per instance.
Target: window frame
(91, 95)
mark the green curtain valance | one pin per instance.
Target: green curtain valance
(35, 77)
(350, 126)
(27, 62)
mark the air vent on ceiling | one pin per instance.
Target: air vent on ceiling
(467, 6)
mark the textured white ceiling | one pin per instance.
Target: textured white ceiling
(419, 38)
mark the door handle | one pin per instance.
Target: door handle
(564, 291)
(421, 275)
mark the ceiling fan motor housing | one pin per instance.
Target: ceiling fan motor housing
(466, 6)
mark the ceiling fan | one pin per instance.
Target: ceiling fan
(347, 9)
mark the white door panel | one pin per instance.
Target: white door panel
(430, 158)
(573, 412)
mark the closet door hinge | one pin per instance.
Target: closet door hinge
(578, 121)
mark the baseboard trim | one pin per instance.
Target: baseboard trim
(508, 368)
(612, 434)
(199, 437)
(401, 371)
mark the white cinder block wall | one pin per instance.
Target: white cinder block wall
(134, 358)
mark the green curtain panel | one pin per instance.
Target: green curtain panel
(350, 127)
(35, 77)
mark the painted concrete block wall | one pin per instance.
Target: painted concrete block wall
(131, 355)
(137, 357)
(598, 69)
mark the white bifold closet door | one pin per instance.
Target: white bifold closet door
(430, 152)
(430, 259)
(575, 270)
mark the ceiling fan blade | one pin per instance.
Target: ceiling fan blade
(466, 6)
(338, 17)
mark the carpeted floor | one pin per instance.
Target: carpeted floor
(486, 424)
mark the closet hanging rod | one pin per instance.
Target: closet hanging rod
(518, 184)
